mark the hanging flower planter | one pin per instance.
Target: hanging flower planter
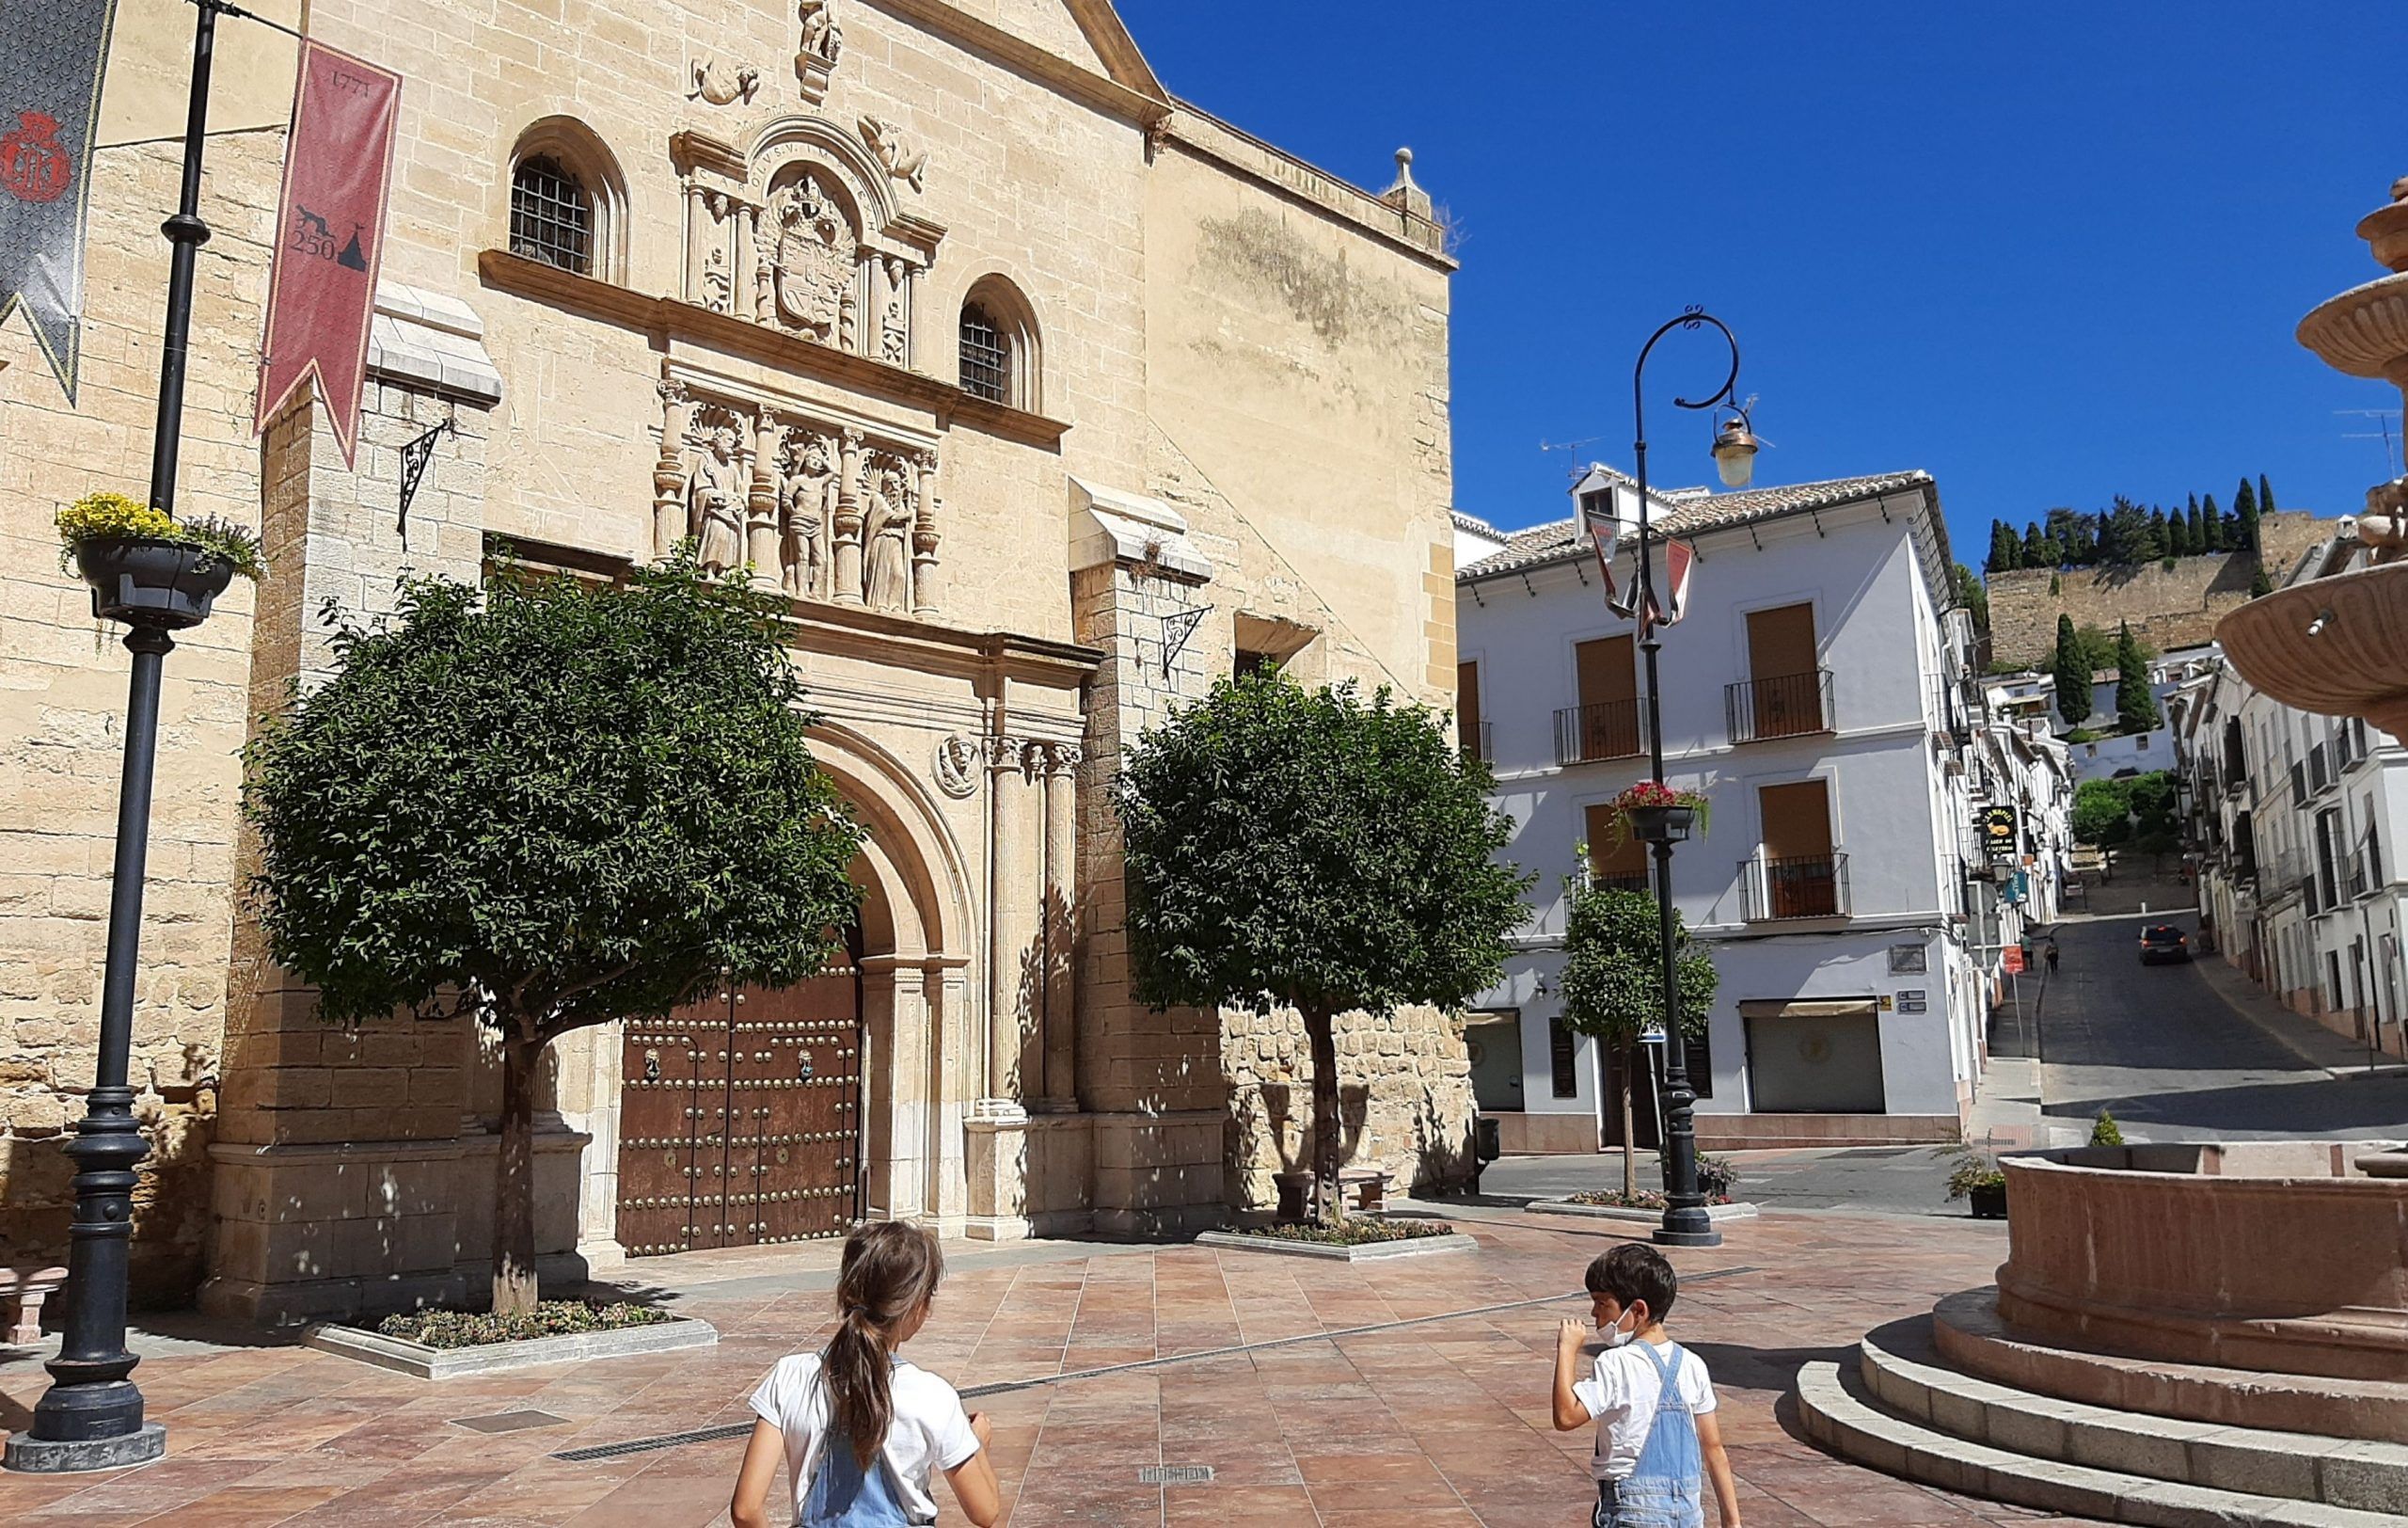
(146, 568)
(1654, 813)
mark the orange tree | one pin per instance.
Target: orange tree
(1310, 850)
(549, 804)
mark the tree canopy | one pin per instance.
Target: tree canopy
(549, 804)
(1287, 848)
(2135, 707)
(2072, 675)
(2128, 534)
(1613, 980)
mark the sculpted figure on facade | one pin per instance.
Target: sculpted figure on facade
(886, 523)
(806, 273)
(807, 507)
(895, 339)
(958, 762)
(719, 86)
(895, 151)
(715, 501)
(822, 37)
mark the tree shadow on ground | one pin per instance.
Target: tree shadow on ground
(1736, 1366)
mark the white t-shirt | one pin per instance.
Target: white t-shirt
(930, 1431)
(1620, 1393)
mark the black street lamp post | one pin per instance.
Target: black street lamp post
(91, 1416)
(1686, 1220)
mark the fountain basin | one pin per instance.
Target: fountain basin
(2279, 1256)
(2364, 332)
(2356, 664)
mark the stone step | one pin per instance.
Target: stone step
(1841, 1416)
(1969, 1336)
(1903, 1372)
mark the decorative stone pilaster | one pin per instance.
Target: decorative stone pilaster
(847, 538)
(668, 471)
(924, 537)
(761, 505)
(1006, 853)
(1060, 914)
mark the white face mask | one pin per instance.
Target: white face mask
(1616, 1337)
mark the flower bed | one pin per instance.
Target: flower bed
(1351, 1232)
(550, 1318)
(1646, 1198)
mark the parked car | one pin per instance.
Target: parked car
(2163, 942)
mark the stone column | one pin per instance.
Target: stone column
(924, 539)
(697, 242)
(761, 505)
(1006, 802)
(669, 472)
(1061, 922)
(844, 543)
(743, 286)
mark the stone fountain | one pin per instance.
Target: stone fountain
(2198, 1333)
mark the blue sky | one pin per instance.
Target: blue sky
(2048, 251)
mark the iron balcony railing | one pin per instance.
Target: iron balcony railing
(1792, 886)
(1476, 743)
(1779, 706)
(1621, 883)
(1607, 729)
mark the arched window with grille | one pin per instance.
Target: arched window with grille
(998, 346)
(552, 215)
(568, 200)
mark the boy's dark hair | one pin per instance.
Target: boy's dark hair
(1633, 1272)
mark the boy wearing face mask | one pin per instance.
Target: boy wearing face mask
(1658, 1438)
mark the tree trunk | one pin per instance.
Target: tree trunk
(513, 1180)
(1319, 1029)
(1630, 1134)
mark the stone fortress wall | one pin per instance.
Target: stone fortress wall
(2170, 608)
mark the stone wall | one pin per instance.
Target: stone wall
(2170, 608)
(62, 707)
(1403, 1097)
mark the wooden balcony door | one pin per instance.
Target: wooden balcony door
(1786, 693)
(1608, 677)
(1800, 874)
(1622, 865)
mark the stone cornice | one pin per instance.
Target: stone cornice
(856, 630)
(1137, 98)
(1235, 149)
(663, 318)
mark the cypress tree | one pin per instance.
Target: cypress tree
(2178, 535)
(2244, 507)
(2259, 585)
(2034, 554)
(2007, 554)
(2265, 495)
(2209, 514)
(2072, 676)
(2136, 707)
(2161, 534)
(2197, 527)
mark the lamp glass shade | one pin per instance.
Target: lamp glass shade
(1734, 453)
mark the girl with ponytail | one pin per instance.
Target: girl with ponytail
(860, 1431)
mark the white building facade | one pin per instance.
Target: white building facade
(2296, 819)
(1817, 692)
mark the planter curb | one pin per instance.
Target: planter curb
(1454, 1241)
(1741, 1211)
(424, 1362)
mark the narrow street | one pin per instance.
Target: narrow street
(2176, 1056)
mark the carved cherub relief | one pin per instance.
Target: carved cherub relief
(822, 37)
(719, 86)
(893, 150)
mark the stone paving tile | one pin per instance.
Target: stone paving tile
(1420, 1426)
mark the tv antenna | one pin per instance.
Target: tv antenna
(1574, 469)
(2386, 430)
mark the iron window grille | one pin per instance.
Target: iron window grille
(551, 216)
(986, 355)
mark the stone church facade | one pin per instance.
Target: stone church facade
(1045, 398)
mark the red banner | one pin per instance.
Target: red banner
(330, 238)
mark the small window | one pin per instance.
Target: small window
(551, 216)
(1251, 661)
(986, 355)
(1558, 1055)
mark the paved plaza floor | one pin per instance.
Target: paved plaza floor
(1411, 1393)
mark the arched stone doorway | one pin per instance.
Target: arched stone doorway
(910, 978)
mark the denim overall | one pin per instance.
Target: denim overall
(1664, 1486)
(843, 1495)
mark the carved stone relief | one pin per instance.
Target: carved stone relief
(822, 511)
(819, 44)
(718, 85)
(807, 270)
(956, 764)
(896, 152)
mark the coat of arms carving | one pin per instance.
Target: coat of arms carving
(809, 267)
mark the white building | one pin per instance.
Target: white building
(2295, 818)
(1816, 694)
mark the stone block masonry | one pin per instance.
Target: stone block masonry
(2168, 606)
